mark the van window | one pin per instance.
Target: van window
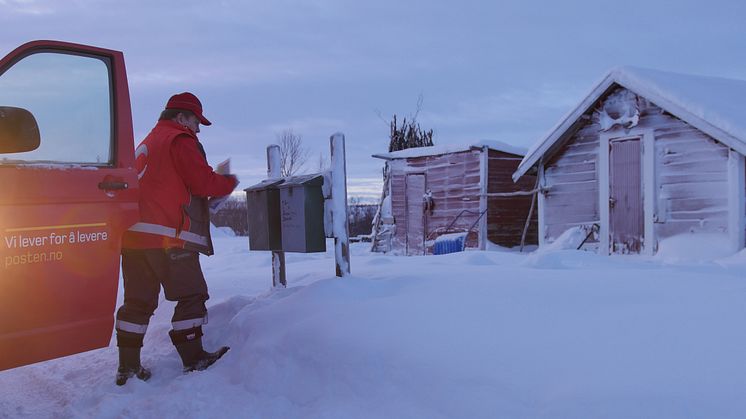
(69, 95)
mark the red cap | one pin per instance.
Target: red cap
(188, 102)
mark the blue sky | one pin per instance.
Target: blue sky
(502, 70)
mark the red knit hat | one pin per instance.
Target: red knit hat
(188, 102)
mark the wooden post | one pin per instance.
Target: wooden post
(736, 200)
(484, 175)
(530, 213)
(278, 258)
(340, 221)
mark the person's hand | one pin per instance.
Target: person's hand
(235, 179)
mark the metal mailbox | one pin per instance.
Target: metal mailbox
(302, 214)
(263, 212)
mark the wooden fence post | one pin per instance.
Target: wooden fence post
(278, 258)
(340, 221)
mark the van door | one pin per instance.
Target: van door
(65, 204)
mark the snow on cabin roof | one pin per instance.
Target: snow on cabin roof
(714, 105)
(440, 149)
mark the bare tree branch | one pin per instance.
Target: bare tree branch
(292, 153)
(420, 100)
(323, 162)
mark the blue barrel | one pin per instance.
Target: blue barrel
(449, 244)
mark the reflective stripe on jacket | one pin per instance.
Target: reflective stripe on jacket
(175, 181)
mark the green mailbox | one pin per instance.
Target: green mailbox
(263, 212)
(302, 214)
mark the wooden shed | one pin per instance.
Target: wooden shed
(431, 191)
(646, 156)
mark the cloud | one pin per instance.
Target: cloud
(508, 106)
(366, 188)
(27, 7)
(308, 125)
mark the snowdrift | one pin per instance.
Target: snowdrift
(559, 333)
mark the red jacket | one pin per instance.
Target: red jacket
(175, 181)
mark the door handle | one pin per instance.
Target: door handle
(113, 185)
(612, 202)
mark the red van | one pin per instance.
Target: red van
(68, 190)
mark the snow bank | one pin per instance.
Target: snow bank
(690, 248)
(569, 240)
(557, 334)
(221, 231)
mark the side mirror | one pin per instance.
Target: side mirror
(18, 130)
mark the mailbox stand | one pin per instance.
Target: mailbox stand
(298, 213)
(278, 258)
(341, 225)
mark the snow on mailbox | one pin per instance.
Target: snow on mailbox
(263, 210)
(302, 214)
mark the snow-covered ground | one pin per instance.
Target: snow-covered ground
(495, 334)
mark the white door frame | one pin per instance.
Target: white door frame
(406, 212)
(484, 161)
(647, 140)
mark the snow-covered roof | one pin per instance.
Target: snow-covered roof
(714, 105)
(437, 150)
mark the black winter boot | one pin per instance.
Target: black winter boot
(189, 346)
(129, 366)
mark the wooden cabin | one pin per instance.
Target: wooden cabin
(431, 191)
(646, 156)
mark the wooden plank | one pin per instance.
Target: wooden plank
(701, 156)
(678, 178)
(694, 204)
(581, 147)
(574, 177)
(580, 158)
(569, 217)
(675, 227)
(694, 190)
(699, 215)
(577, 187)
(569, 168)
(702, 166)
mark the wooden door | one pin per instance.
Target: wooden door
(626, 220)
(415, 190)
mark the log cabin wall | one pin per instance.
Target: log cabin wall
(691, 176)
(454, 181)
(571, 177)
(506, 216)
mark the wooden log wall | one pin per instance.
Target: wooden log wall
(506, 216)
(572, 178)
(691, 176)
(454, 181)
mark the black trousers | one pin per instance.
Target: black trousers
(144, 272)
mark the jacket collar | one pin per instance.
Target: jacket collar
(167, 123)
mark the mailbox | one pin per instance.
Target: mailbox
(302, 214)
(263, 211)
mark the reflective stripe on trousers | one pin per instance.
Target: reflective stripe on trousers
(162, 230)
(189, 323)
(131, 327)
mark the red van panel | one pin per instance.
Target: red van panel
(61, 222)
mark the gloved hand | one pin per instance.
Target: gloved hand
(235, 180)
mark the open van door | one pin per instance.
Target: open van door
(68, 191)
